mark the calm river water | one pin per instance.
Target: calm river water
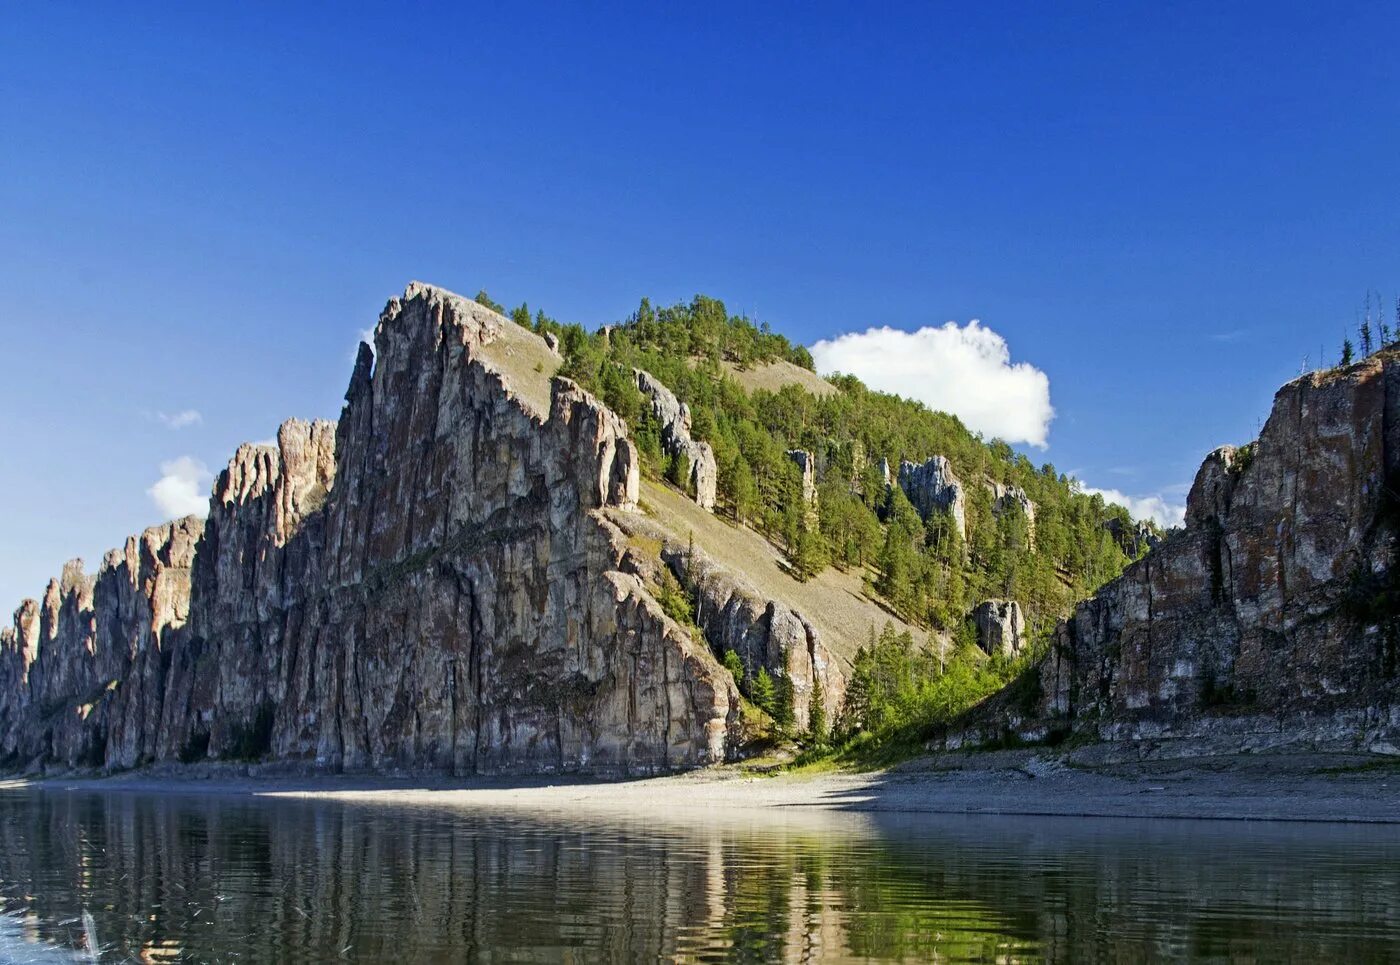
(214, 879)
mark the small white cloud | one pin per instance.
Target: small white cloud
(180, 420)
(1144, 507)
(1233, 335)
(965, 370)
(183, 488)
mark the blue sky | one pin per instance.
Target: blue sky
(1162, 208)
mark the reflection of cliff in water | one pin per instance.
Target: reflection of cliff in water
(215, 878)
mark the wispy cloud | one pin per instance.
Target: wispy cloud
(183, 488)
(366, 336)
(962, 369)
(1233, 335)
(180, 420)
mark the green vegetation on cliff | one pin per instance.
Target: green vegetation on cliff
(920, 567)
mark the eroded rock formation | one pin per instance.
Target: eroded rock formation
(674, 418)
(806, 465)
(429, 584)
(735, 615)
(932, 485)
(1014, 499)
(1274, 616)
(1001, 628)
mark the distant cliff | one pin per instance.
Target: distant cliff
(1274, 616)
(429, 584)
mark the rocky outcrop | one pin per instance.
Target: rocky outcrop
(733, 614)
(1274, 616)
(429, 584)
(1007, 498)
(674, 419)
(807, 466)
(83, 671)
(1001, 628)
(932, 486)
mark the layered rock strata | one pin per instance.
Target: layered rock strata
(1274, 616)
(673, 416)
(430, 584)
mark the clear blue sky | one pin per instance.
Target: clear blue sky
(1162, 207)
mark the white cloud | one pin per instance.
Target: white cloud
(180, 420)
(965, 370)
(1143, 507)
(183, 488)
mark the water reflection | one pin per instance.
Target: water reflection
(209, 878)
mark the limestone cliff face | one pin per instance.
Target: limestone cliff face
(932, 485)
(1275, 614)
(82, 671)
(674, 417)
(429, 584)
(735, 615)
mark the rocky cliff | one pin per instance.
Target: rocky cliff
(1274, 616)
(673, 416)
(932, 485)
(430, 583)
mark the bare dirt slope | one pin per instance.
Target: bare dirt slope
(834, 602)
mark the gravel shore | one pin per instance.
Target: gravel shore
(1294, 787)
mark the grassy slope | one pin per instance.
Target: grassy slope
(834, 602)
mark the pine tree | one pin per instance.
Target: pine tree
(1346, 352)
(761, 691)
(809, 555)
(816, 711)
(484, 299)
(678, 472)
(521, 316)
(784, 698)
(735, 665)
(1366, 337)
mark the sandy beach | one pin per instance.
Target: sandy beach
(1294, 787)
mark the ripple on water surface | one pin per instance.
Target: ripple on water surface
(214, 879)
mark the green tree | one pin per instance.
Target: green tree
(678, 472)
(745, 491)
(484, 299)
(1347, 352)
(735, 665)
(762, 691)
(809, 553)
(816, 712)
(784, 701)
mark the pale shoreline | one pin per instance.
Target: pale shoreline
(1308, 788)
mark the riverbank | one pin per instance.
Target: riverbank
(1293, 787)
